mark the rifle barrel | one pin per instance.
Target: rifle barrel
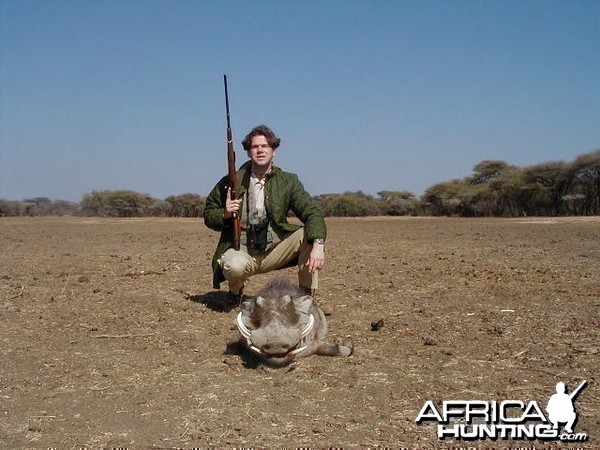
(575, 393)
(236, 231)
(226, 100)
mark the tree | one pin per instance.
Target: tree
(488, 170)
(10, 208)
(63, 208)
(449, 198)
(398, 203)
(349, 204)
(120, 203)
(586, 171)
(159, 208)
(94, 204)
(554, 177)
(186, 205)
(37, 206)
(495, 184)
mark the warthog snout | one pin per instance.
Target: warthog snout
(276, 348)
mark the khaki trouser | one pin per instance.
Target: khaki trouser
(238, 265)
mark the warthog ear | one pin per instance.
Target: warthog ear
(248, 305)
(304, 303)
(261, 301)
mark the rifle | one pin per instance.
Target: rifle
(575, 393)
(237, 226)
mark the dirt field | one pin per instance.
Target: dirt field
(112, 336)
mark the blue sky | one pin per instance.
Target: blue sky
(365, 95)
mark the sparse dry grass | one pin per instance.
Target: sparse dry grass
(111, 335)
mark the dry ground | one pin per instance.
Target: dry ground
(111, 335)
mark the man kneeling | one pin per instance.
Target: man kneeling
(266, 194)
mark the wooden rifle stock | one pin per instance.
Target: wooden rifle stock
(237, 226)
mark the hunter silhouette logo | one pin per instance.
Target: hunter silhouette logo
(560, 407)
(509, 419)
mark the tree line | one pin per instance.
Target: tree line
(108, 203)
(494, 189)
(499, 189)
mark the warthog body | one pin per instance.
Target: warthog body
(281, 324)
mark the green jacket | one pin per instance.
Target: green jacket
(283, 193)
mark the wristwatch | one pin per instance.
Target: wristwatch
(320, 241)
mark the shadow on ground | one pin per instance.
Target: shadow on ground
(217, 301)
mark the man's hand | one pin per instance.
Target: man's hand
(231, 206)
(316, 259)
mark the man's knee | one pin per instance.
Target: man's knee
(234, 264)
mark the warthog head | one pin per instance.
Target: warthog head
(276, 328)
(281, 324)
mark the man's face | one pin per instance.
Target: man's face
(260, 152)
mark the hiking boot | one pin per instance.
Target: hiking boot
(235, 299)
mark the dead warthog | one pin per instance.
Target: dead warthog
(281, 324)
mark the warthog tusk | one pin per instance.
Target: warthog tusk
(256, 350)
(308, 328)
(244, 331)
(298, 350)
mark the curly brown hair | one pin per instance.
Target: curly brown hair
(261, 130)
